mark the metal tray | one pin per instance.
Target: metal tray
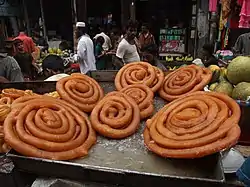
(125, 162)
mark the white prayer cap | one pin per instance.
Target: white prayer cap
(80, 24)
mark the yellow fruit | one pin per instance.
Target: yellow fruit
(213, 86)
(213, 68)
(50, 50)
(224, 87)
(223, 72)
(55, 50)
(59, 51)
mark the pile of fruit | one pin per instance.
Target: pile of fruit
(59, 52)
(234, 80)
(54, 51)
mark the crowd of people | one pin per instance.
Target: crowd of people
(125, 47)
(17, 63)
(103, 51)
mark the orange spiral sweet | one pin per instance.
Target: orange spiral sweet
(139, 73)
(1, 132)
(5, 101)
(44, 127)
(183, 81)
(5, 108)
(143, 96)
(15, 93)
(194, 126)
(80, 90)
(116, 116)
(4, 148)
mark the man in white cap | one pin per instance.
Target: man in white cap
(85, 49)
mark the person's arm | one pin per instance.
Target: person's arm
(109, 43)
(121, 50)
(13, 71)
(33, 63)
(81, 54)
(81, 50)
(153, 39)
(32, 45)
(99, 53)
(138, 45)
(3, 80)
(141, 42)
(237, 49)
(96, 36)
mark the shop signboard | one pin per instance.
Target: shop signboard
(10, 7)
(172, 40)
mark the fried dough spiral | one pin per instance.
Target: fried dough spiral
(143, 96)
(5, 108)
(183, 81)
(5, 101)
(194, 126)
(44, 127)
(15, 93)
(80, 90)
(116, 116)
(139, 73)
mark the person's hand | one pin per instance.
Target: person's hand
(3, 80)
(111, 53)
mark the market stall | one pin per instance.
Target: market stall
(83, 129)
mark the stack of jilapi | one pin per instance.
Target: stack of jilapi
(139, 73)
(5, 108)
(194, 126)
(45, 127)
(116, 116)
(15, 93)
(183, 81)
(143, 96)
(80, 90)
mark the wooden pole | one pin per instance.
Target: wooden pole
(132, 11)
(74, 18)
(43, 20)
(81, 10)
(122, 13)
(26, 17)
(74, 11)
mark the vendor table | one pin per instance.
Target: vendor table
(125, 162)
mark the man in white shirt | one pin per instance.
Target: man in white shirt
(127, 51)
(85, 49)
(107, 41)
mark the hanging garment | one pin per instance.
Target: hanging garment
(244, 14)
(226, 9)
(213, 5)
